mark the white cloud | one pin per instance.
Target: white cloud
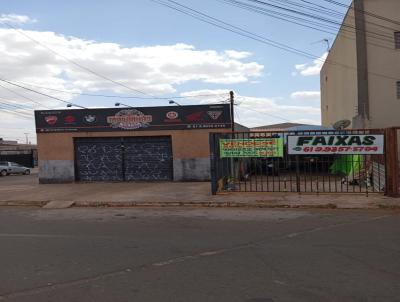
(156, 70)
(307, 121)
(153, 69)
(238, 54)
(306, 95)
(258, 111)
(311, 69)
(16, 19)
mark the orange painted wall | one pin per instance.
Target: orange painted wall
(185, 143)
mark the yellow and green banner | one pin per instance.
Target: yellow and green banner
(258, 147)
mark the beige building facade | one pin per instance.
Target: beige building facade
(360, 80)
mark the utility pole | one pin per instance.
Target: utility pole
(232, 101)
(232, 162)
(26, 138)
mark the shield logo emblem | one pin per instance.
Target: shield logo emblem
(214, 114)
(51, 119)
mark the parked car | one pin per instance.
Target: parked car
(7, 168)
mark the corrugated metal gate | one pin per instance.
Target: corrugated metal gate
(324, 162)
(123, 159)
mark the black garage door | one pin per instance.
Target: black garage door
(123, 159)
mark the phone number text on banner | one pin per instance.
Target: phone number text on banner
(262, 147)
(336, 144)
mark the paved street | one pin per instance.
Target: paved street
(264, 255)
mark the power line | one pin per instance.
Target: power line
(7, 110)
(268, 114)
(12, 103)
(192, 12)
(116, 96)
(377, 16)
(75, 63)
(235, 29)
(38, 92)
(89, 70)
(279, 16)
(265, 113)
(14, 106)
(294, 20)
(344, 14)
(325, 10)
(23, 96)
(300, 21)
(14, 109)
(380, 36)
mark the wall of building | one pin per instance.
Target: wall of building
(339, 94)
(385, 60)
(340, 86)
(190, 153)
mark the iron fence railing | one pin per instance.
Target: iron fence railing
(284, 170)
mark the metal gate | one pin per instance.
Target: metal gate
(123, 159)
(329, 161)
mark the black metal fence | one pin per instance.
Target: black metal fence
(331, 162)
(23, 157)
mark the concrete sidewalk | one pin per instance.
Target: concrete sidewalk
(25, 190)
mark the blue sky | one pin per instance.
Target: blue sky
(136, 24)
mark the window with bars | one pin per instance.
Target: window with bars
(397, 39)
(398, 90)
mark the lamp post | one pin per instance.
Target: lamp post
(173, 102)
(69, 105)
(122, 104)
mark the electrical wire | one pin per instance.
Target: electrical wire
(295, 5)
(261, 112)
(15, 113)
(41, 93)
(302, 22)
(377, 16)
(380, 36)
(256, 37)
(15, 108)
(115, 96)
(235, 29)
(75, 63)
(344, 14)
(23, 96)
(84, 67)
(14, 103)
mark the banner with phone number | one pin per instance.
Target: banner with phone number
(260, 147)
(336, 144)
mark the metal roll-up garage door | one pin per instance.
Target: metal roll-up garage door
(148, 158)
(98, 159)
(119, 159)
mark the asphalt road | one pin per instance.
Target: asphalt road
(199, 255)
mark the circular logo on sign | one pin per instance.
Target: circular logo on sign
(172, 115)
(51, 120)
(90, 118)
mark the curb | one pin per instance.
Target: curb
(203, 204)
(22, 203)
(256, 205)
